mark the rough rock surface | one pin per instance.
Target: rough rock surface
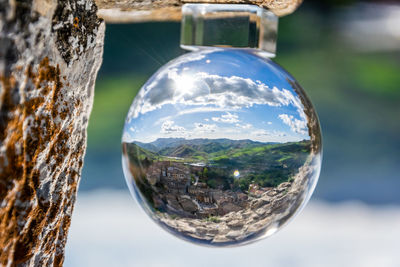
(140, 10)
(50, 52)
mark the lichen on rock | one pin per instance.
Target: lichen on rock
(75, 24)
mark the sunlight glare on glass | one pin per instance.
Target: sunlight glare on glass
(184, 83)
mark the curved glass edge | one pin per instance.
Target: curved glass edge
(315, 167)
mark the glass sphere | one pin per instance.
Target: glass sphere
(221, 147)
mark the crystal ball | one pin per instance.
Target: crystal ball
(221, 147)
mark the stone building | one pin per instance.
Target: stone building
(175, 191)
(256, 190)
(175, 177)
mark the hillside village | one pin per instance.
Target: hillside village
(194, 186)
(196, 180)
(177, 190)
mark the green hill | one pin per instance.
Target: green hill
(138, 155)
(266, 164)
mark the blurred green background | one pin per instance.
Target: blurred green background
(350, 72)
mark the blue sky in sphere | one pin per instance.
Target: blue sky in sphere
(218, 93)
(234, 62)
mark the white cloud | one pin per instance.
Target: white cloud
(227, 118)
(205, 90)
(169, 127)
(189, 111)
(297, 126)
(275, 134)
(200, 110)
(244, 126)
(261, 132)
(203, 127)
(202, 92)
(127, 137)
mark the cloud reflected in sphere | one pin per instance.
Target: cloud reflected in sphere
(221, 147)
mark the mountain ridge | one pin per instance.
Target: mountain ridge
(163, 143)
(265, 164)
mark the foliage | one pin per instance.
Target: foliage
(266, 165)
(213, 219)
